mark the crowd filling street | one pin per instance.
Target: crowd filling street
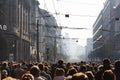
(104, 70)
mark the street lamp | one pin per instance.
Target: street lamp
(55, 49)
(37, 42)
(47, 53)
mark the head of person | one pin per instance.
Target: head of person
(27, 76)
(60, 62)
(35, 71)
(117, 64)
(59, 72)
(108, 75)
(4, 73)
(69, 77)
(106, 63)
(79, 76)
(9, 78)
(83, 68)
(90, 75)
(71, 71)
(4, 64)
(46, 68)
(100, 67)
(41, 66)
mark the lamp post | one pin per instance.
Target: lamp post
(47, 53)
(55, 49)
(37, 42)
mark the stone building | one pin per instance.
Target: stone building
(106, 29)
(22, 38)
(14, 35)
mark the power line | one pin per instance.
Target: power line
(63, 27)
(58, 37)
(80, 3)
(54, 6)
(59, 21)
(45, 5)
(106, 30)
(75, 15)
(55, 9)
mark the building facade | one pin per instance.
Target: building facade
(108, 31)
(34, 16)
(117, 29)
(14, 39)
(51, 36)
(26, 31)
(89, 48)
(98, 40)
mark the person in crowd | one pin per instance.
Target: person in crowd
(70, 73)
(108, 75)
(35, 71)
(4, 74)
(106, 66)
(52, 70)
(47, 70)
(117, 69)
(23, 65)
(60, 64)
(94, 67)
(5, 67)
(11, 66)
(83, 68)
(79, 76)
(27, 76)
(9, 78)
(43, 73)
(29, 66)
(18, 71)
(68, 66)
(59, 74)
(90, 75)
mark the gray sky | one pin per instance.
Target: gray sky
(82, 14)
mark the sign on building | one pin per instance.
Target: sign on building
(11, 57)
(3, 27)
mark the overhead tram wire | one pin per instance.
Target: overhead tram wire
(59, 19)
(77, 2)
(45, 5)
(73, 38)
(65, 27)
(54, 6)
(75, 15)
(56, 13)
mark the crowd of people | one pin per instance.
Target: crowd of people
(104, 70)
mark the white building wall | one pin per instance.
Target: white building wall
(117, 2)
(89, 46)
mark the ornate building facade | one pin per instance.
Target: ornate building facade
(14, 35)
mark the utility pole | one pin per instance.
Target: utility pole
(55, 49)
(37, 42)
